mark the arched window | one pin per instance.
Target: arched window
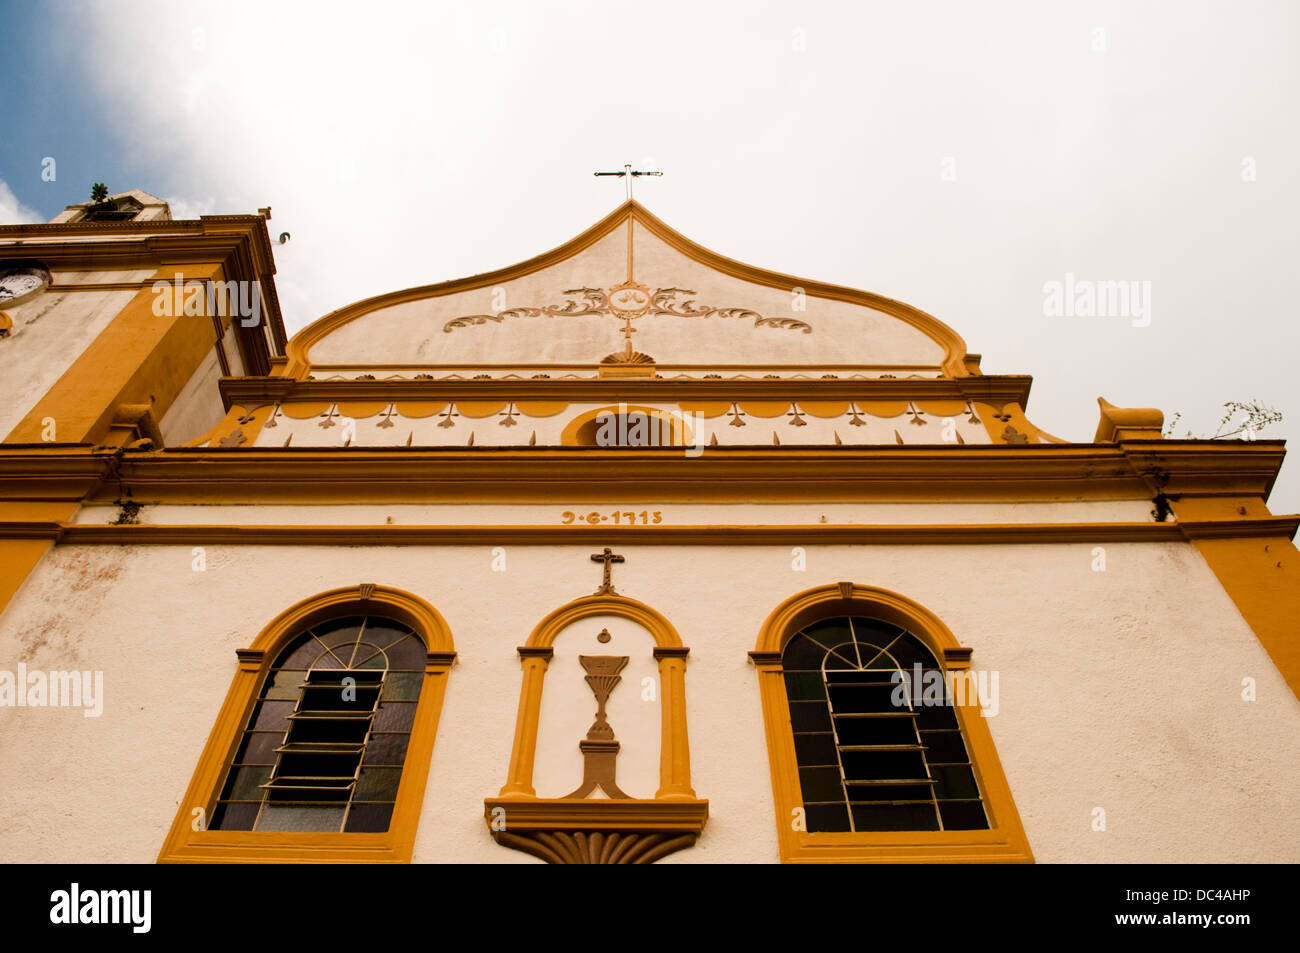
(322, 749)
(878, 745)
(324, 746)
(875, 734)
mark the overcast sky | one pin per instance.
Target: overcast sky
(957, 156)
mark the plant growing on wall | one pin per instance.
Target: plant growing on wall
(99, 195)
(1246, 418)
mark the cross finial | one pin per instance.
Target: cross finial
(628, 331)
(628, 174)
(606, 557)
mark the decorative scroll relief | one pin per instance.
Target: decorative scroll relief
(631, 301)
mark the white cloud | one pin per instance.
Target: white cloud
(14, 212)
(422, 143)
(191, 208)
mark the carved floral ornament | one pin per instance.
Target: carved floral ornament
(630, 301)
(330, 412)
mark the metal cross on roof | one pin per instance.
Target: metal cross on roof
(628, 174)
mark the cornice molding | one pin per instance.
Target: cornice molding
(648, 814)
(240, 243)
(1051, 472)
(251, 391)
(817, 534)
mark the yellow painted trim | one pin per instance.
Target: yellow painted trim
(480, 409)
(140, 358)
(826, 601)
(1262, 578)
(305, 409)
(24, 541)
(1128, 423)
(600, 814)
(844, 474)
(253, 422)
(674, 749)
(186, 845)
(756, 385)
(1005, 841)
(738, 534)
(1261, 575)
(997, 428)
(544, 633)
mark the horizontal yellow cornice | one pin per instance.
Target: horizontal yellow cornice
(814, 534)
(893, 473)
(1001, 389)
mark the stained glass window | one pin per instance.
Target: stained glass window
(324, 746)
(876, 737)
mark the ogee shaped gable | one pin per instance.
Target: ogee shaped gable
(630, 284)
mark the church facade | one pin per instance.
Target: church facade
(628, 553)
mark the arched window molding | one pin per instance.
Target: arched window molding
(189, 841)
(1005, 839)
(600, 830)
(665, 427)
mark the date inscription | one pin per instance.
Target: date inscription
(617, 517)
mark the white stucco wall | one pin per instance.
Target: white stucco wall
(1118, 689)
(674, 514)
(198, 407)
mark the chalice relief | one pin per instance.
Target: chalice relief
(599, 749)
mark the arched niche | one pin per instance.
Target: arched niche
(670, 655)
(580, 828)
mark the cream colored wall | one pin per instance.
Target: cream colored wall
(414, 331)
(49, 332)
(230, 344)
(198, 407)
(1118, 689)
(674, 514)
